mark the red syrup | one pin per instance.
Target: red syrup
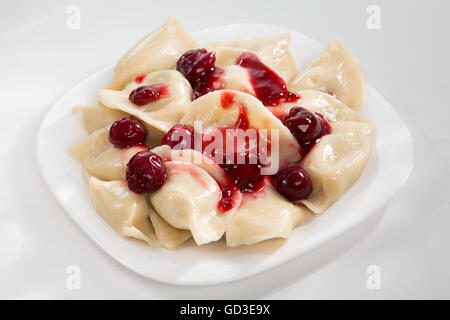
(246, 176)
(140, 78)
(269, 87)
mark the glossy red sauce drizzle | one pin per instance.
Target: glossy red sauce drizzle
(140, 78)
(269, 87)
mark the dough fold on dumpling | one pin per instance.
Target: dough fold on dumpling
(161, 114)
(342, 118)
(333, 165)
(158, 50)
(336, 71)
(168, 236)
(272, 50)
(97, 117)
(100, 158)
(189, 200)
(263, 216)
(125, 211)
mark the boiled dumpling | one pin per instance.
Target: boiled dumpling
(352, 127)
(338, 72)
(237, 78)
(189, 200)
(202, 161)
(333, 165)
(264, 216)
(100, 158)
(158, 50)
(125, 211)
(161, 114)
(272, 50)
(341, 117)
(111, 164)
(97, 117)
(92, 145)
(168, 236)
(209, 110)
(327, 105)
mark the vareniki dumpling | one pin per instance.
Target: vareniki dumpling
(272, 50)
(337, 72)
(124, 210)
(161, 114)
(265, 216)
(100, 158)
(159, 50)
(188, 200)
(333, 165)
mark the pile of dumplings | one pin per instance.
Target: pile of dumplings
(333, 85)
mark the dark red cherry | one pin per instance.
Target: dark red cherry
(146, 94)
(197, 63)
(293, 183)
(180, 136)
(304, 125)
(145, 172)
(126, 133)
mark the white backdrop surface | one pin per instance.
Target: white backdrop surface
(406, 60)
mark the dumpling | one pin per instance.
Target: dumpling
(237, 78)
(272, 50)
(125, 211)
(97, 117)
(111, 164)
(243, 108)
(336, 71)
(342, 118)
(92, 145)
(329, 106)
(352, 127)
(264, 216)
(333, 165)
(100, 158)
(168, 236)
(189, 200)
(158, 50)
(161, 114)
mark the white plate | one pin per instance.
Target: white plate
(387, 170)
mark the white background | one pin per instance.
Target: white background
(407, 60)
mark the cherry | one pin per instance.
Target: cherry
(180, 136)
(145, 172)
(146, 94)
(293, 183)
(126, 133)
(304, 125)
(197, 66)
(197, 63)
